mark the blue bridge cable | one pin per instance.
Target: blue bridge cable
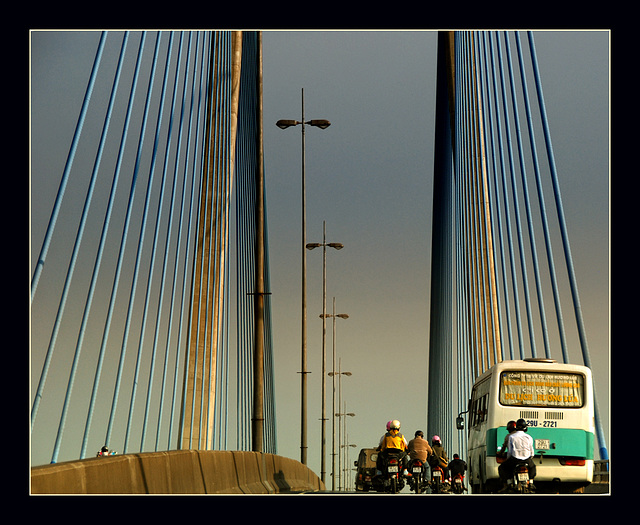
(72, 263)
(516, 214)
(67, 169)
(507, 213)
(160, 300)
(527, 203)
(169, 327)
(124, 239)
(543, 209)
(54, 217)
(565, 239)
(116, 279)
(494, 199)
(97, 265)
(141, 237)
(491, 322)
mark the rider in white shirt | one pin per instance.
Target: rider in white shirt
(520, 445)
(519, 448)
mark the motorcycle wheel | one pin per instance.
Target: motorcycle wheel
(418, 484)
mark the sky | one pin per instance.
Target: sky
(370, 177)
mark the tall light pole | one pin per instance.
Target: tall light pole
(333, 375)
(311, 246)
(340, 373)
(346, 467)
(322, 124)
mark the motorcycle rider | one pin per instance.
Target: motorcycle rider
(511, 428)
(419, 448)
(439, 456)
(392, 442)
(519, 448)
(458, 466)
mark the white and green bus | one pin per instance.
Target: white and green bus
(556, 400)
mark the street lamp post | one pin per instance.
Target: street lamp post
(347, 467)
(340, 373)
(322, 124)
(311, 246)
(333, 375)
(343, 435)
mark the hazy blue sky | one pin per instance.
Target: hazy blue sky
(370, 177)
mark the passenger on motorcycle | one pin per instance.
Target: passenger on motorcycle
(439, 456)
(392, 442)
(511, 428)
(519, 448)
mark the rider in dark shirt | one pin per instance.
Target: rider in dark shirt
(457, 466)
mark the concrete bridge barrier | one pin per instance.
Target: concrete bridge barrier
(176, 472)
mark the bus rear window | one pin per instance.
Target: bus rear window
(546, 389)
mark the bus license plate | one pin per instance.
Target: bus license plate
(542, 444)
(393, 468)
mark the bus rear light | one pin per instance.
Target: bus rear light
(572, 462)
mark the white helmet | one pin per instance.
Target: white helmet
(395, 424)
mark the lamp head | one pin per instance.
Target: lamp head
(284, 124)
(319, 123)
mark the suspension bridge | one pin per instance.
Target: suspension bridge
(158, 223)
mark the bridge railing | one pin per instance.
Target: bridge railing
(601, 471)
(177, 472)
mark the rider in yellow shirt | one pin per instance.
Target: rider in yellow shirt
(393, 441)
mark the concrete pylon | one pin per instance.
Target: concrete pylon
(209, 269)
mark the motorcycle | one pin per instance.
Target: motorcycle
(521, 483)
(418, 473)
(393, 480)
(458, 484)
(438, 484)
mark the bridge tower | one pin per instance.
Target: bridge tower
(209, 265)
(470, 186)
(481, 307)
(227, 110)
